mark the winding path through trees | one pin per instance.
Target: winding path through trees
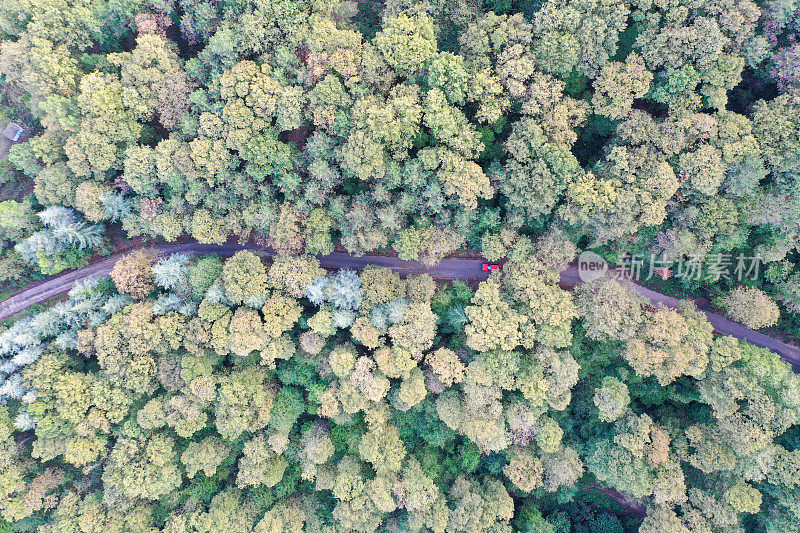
(454, 268)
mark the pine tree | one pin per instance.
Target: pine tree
(116, 206)
(172, 271)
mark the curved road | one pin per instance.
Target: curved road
(455, 268)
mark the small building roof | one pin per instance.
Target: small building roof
(13, 131)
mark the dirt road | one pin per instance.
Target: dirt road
(464, 269)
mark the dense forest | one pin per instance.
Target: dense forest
(196, 394)
(666, 129)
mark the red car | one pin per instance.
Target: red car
(487, 267)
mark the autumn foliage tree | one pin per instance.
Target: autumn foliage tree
(133, 274)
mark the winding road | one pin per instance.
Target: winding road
(454, 268)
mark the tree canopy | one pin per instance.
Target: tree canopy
(187, 391)
(195, 394)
